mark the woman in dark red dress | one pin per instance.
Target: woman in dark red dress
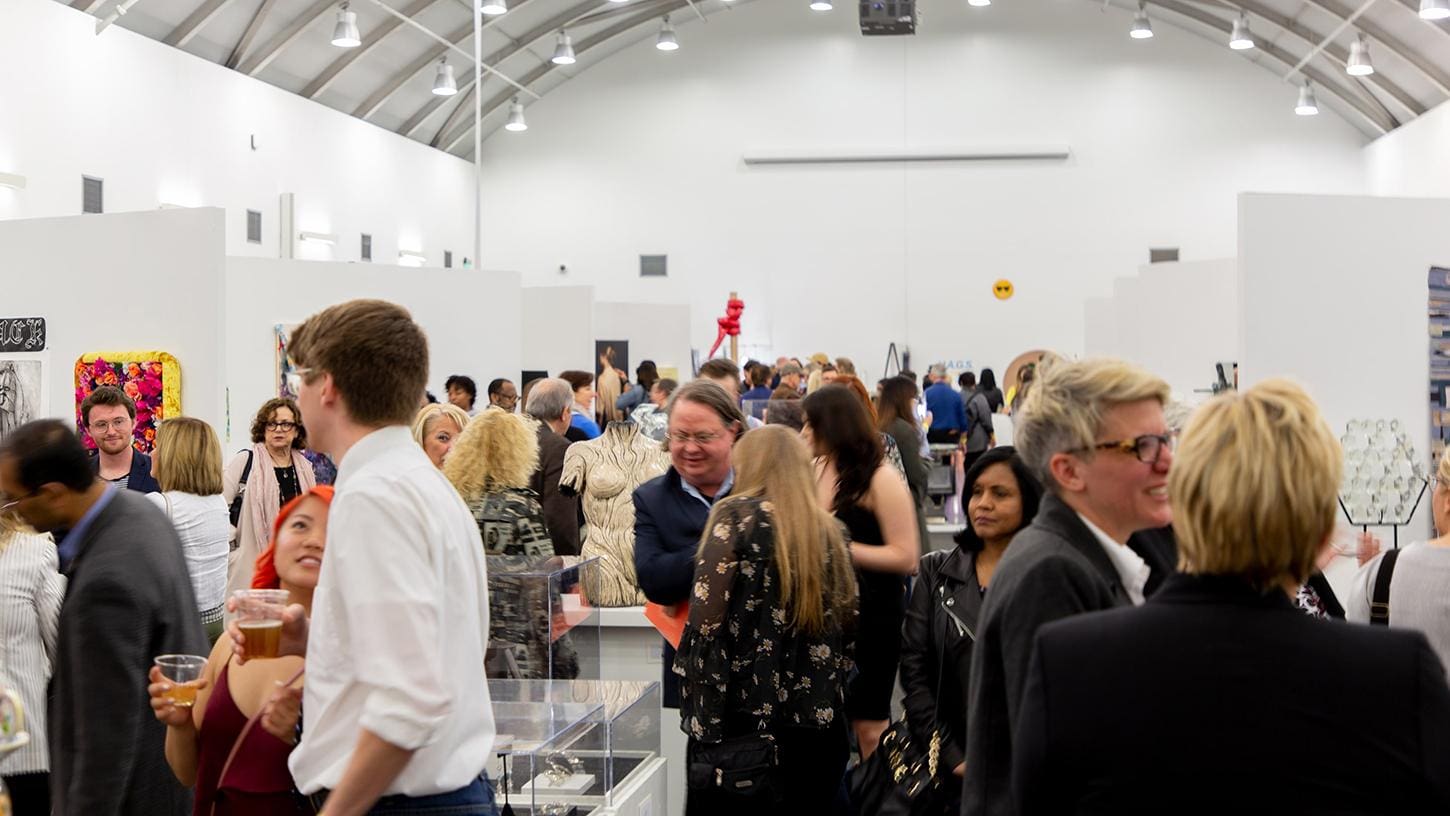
(199, 740)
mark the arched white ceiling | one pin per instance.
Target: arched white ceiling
(388, 79)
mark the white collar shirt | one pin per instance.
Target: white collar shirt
(1132, 569)
(399, 625)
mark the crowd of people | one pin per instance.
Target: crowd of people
(1122, 616)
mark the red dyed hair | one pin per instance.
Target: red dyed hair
(264, 575)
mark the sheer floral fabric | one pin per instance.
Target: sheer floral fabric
(744, 666)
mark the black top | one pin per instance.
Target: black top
(744, 668)
(995, 400)
(139, 479)
(287, 484)
(1215, 698)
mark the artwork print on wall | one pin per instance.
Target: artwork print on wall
(152, 379)
(23, 390)
(611, 371)
(281, 332)
(1439, 323)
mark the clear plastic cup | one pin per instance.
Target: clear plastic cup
(182, 672)
(259, 616)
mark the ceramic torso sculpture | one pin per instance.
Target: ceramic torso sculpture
(605, 472)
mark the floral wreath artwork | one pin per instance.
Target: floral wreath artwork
(151, 378)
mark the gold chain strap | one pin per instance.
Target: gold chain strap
(933, 754)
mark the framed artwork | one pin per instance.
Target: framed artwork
(24, 390)
(150, 378)
(280, 334)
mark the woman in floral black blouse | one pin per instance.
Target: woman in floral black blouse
(766, 648)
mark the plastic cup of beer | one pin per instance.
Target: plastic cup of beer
(259, 616)
(182, 672)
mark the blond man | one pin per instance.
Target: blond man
(1219, 695)
(1094, 433)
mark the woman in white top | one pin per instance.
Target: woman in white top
(30, 596)
(1420, 584)
(187, 464)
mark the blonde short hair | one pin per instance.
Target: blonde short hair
(1063, 411)
(1442, 471)
(188, 457)
(1254, 485)
(498, 450)
(429, 413)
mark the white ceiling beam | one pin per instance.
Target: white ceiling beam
(182, 34)
(369, 42)
(251, 33)
(263, 57)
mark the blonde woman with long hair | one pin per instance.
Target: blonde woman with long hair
(765, 653)
(31, 591)
(187, 464)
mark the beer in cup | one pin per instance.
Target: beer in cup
(259, 616)
(182, 672)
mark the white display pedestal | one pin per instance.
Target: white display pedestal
(630, 649)
(645, 795)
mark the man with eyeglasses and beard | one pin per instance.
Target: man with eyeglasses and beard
(1094, 432)
(670, 510)
(109, 417)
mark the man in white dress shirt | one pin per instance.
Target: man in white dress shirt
(397, 713)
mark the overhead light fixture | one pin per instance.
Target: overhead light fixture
(12, 180)
(493, 8)
(344, 32)
(1359, 61)
(317, 238)
(666, 40)
(1434, 9)
(415, 258)
(443, 82)
(979, 3)
(821, 5)
(1241, 39)
(564, 49)
(516, 123)
(622, 2)
(1142, 29)
(1308, 105)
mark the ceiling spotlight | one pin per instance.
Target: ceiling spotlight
(564, 49)
(619, 1)
(1241, 39)
(979, 3)
(1308, 105)
(516, 123)
(1434, 9)
(1359, 62)
(666, 40)
(344, 31)
(1142, 29)
(443, 82)
(821, 5)
(493, 8)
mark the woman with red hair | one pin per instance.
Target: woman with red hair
(200, 739)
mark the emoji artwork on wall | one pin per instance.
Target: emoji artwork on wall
(1003, 289)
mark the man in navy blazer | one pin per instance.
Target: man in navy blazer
(110, 418)
(670, 511)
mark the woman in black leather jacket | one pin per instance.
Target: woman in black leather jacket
(999, 497)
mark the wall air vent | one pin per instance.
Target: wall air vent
(653, 266)
(254, 227)
(92, 194)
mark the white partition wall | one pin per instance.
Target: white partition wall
(1333, 294)
(135, 281)
(655, 331)
(1187, 320)
(473, 319)
(558, 328)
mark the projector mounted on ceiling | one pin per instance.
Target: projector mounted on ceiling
(884, 17)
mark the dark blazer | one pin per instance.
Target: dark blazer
(140, 479)
(129, 599)
(667, 526)
(1055, 568)
(937, 639)
(1215, 698)
(561, 512)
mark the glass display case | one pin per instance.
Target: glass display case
(565, 746)
(541, 624)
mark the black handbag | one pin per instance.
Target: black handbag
(739, 770)
(900, 777)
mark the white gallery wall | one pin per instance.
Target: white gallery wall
(161, 126)
(655, 331)
(561, 324)
(1175, 319)
(134, 281)
(473, 320)
(1333, 293)
(1412, 160)
(643, 154)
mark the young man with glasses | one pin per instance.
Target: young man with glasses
(1095, 434)
(109, 416)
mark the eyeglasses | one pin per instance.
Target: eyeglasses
(294, 379)
(1148, 448)
(118, 423)
(702, 439)
(281, 426)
